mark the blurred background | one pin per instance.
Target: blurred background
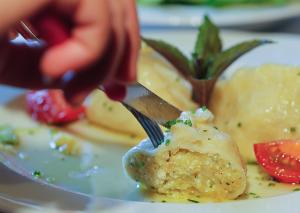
(278, 16)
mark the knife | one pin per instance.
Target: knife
(138, 97)
(150, 105)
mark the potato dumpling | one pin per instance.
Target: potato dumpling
(195, 160)
(157, 75)
(257, 105)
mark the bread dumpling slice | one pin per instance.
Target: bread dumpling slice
(195, 160)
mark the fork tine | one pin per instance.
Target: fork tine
(151, 128)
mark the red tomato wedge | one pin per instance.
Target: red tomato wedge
(280, 159)
(50, 106)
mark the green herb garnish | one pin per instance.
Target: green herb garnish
(171, 123)
(272, 184)
(239, 124)
(168, 141)
(293, 129)
(188, 122)
(208, 60)
(37, 174)
(296, 190)
(8, 136)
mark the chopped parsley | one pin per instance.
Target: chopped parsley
(204, 108)
(271, 184)
(7, 136)
(110, 108)
(252, 163)
(168, 141)
(137, 163)
(171, 123)
(37, 174)
(188, 122)
(239, 124)
(193, 201)
(254, 195)
(296, 190)
(293, 129)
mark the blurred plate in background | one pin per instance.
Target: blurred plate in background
(255, 18)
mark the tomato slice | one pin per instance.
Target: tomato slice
(50, 106)
(280, 159)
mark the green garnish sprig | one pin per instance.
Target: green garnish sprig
(208, 60)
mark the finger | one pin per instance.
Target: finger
(129, 69)
(119, 33)
(14, 10)
(88, 40)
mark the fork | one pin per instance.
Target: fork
(148, 108)
(151, 127)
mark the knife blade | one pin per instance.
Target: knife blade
(150, 104)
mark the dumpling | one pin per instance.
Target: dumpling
(156, 74)
(195, 160)
(257, 105)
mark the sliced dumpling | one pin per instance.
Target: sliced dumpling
(195, 160)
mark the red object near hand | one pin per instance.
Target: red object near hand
(50, 106)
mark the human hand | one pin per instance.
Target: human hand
(100, 29)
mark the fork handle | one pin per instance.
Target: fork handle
(51, 27)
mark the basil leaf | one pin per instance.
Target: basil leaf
(173, 55)
(226, 58)
(208, 42)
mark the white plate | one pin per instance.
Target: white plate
(112, 194)
(192, 16)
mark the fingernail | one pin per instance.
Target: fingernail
(115, 91)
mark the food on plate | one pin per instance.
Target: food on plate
(258, 104)
(194, 160)
(208, 60)
(108, 121)
(50, 106)
(65, 144)
(157, 75)
(8, 136)
(280, 159)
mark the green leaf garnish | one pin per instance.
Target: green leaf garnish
(207, 62)
(207, 45)
(172, 54)
(226, 58)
